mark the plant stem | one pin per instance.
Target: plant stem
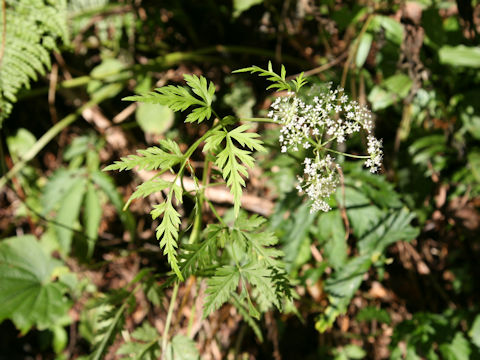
(349, 155)
(353, 50)
(265, 120)
(46, 138)
(169, 320)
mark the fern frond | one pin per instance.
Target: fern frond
(220, 288)
(178, 98)
(114, 323)
(146, 345)
(199, 255)
(280, 82)
(147, 188)
(152, 158)
(232, 160)
(32, 30)
(167, 232)
(263, 290)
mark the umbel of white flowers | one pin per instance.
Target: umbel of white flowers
(327, 118)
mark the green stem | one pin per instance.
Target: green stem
(348, 155)
(265, 120)
(169, 320)
(46, 138)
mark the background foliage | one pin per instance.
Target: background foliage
(390, 272)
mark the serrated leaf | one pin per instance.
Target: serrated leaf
(220, 287)
(153, 158)
(167, 232)
(279, 81)
(28, 294)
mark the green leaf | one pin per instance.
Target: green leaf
(331, 231)
(28, 294)
(280, 82)
(220, 288)
(107, 185)
(146, 345)
(200, 87)
(263, 287)
(154, 119)
(178, 98)
(147, 188)
(460, 55)
(474, 332)
(152, 158)
(234, 170)
(199, 255)
(239, 6)
(391, 90)
(92, 215)
(167, 231)
(182, 348)
(68, 213)
(365, 43)
(458, 349)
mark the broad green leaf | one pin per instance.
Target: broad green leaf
(239, 6)
(106, 184)
(146, 345)
(391, 90)
(68, 214)
(182, 348)
(474, 332)
(58, 186)
(154, 119)
(92, 216)
(393, 29)
(458, 349)
(331, 232)
(20, 143)
(363, 49)
(460, 55)
(29, 296)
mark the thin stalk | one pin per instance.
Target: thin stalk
(353, 51)
(348, 155)
(46, 138)
(169, 320)
(265, 120)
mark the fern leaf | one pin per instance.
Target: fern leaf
(220, 288)
(280, 82)
(201, 88)
(152, 158)
(110, 331)
(33, 28)
(260, 278)
(147, 188)
(178, 98)
(232, 160)
(198, 256)
(167, 231)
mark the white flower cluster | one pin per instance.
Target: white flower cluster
(329, 117)
(319, 182)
